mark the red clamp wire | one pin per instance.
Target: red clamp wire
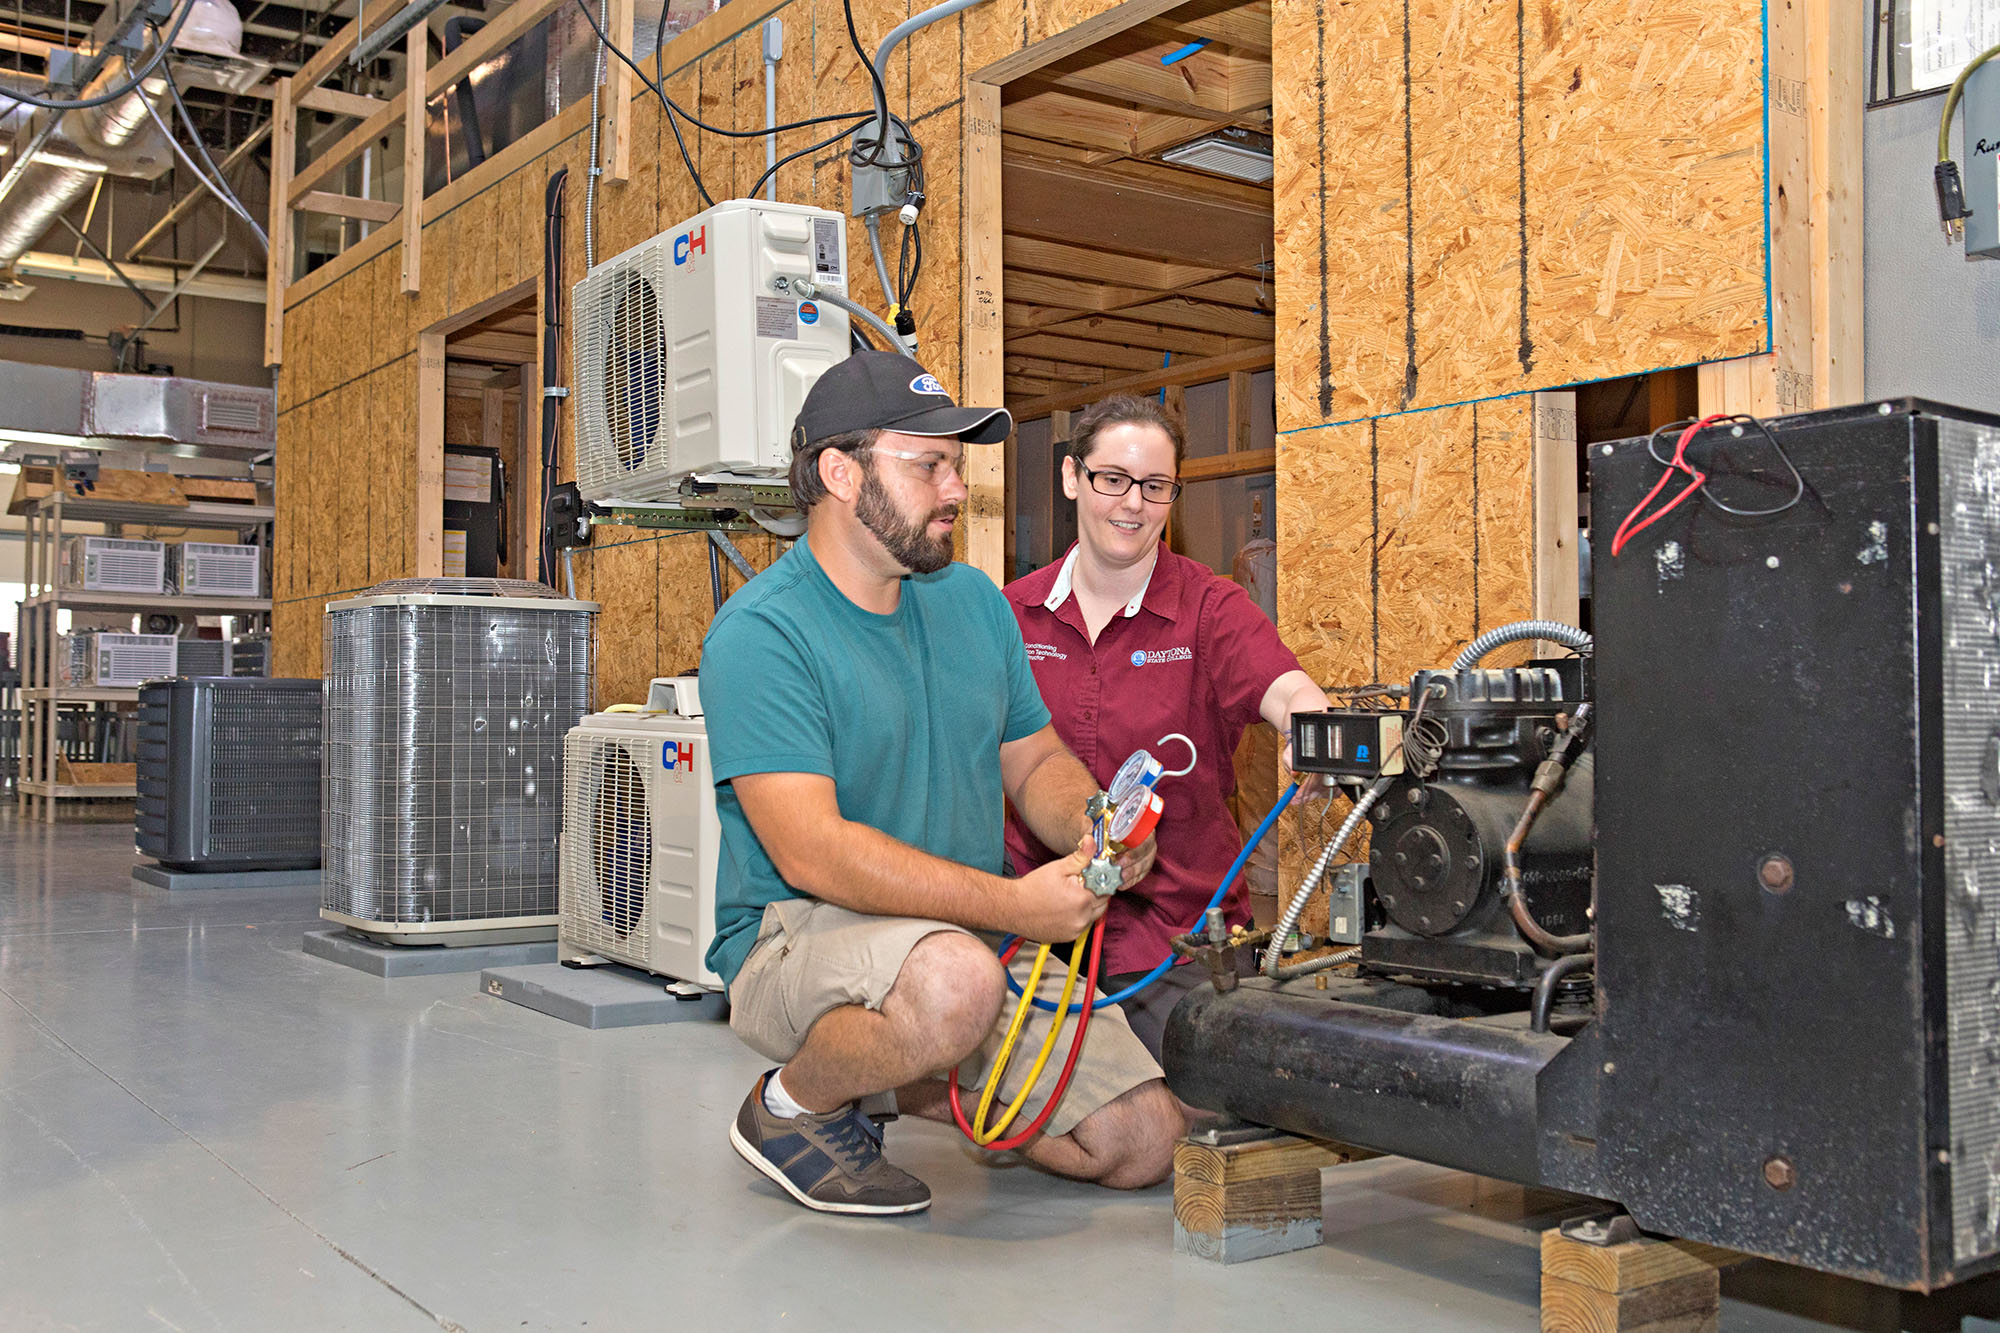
(1628, 529)
(1069, 1064)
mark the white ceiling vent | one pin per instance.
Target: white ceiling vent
(1230, 152)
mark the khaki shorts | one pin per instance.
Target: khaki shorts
(812, 957)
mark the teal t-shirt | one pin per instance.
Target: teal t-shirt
(905, 712)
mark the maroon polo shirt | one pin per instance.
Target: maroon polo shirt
(1192, 654)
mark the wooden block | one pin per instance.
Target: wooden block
(1636, 1263)
(1234, 1202)
(1688, 1304)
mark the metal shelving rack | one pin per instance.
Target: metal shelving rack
(42, 692)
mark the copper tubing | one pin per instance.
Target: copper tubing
(1548, 780)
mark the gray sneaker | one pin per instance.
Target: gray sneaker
(831, 1163)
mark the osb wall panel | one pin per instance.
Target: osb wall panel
(1400, 539)
(1475, 198)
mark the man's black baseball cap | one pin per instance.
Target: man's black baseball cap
(888, 391)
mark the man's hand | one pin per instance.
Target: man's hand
(1052, 906)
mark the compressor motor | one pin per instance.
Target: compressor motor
(1458, 770)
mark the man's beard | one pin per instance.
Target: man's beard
(908, 543)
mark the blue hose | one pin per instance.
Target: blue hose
(1221, 890)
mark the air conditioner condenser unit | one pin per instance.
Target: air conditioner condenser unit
(639, 837)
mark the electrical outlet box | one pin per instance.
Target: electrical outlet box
(1345, 911)
(878, 189)
(1982, 162)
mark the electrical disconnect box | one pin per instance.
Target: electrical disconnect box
(693, 353)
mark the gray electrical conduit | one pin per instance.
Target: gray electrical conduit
(1569, 636)
(873, 223)
(896, 36)
(808, 288)
(1274, 964)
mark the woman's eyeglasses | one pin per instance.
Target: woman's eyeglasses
(1159, 490)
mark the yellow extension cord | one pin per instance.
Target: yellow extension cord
(980, 1133)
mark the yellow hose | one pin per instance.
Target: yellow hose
(1006, 1051)
(981, 1134)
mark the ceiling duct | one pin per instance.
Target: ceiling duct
(56, 406)
(118, 138)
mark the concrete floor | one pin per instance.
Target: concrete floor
(203, 1128)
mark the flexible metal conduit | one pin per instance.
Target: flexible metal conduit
(808, 288)
(1569, 636)
(596, 166)
(1274, 964)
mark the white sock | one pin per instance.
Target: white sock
(779, 1102)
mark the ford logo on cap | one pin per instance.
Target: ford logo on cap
(928, 384)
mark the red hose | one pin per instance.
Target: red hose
(1069, 1064)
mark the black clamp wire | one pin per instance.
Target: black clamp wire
(1740, 422)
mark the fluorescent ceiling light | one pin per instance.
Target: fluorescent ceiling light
(1231, 152)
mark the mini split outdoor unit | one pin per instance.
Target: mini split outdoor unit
(694, 354)
(640, 837)
(446, 702)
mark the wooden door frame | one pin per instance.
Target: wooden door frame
(990, 483)
(432, 352)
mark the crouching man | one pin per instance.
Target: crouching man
(869, 704)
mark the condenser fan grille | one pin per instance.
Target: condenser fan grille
(635, 365)
(607, 848)
(624, 391)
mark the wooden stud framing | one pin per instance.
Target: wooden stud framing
(617, 146)
(414, 53)
(340, 103)
(1241, 429)
(985, 357)
(347, 206)
(1178, 375)
(1238, 463)
(429, 496)
(1557, 589)
(278, 264)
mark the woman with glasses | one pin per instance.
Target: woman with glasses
(1130, 643)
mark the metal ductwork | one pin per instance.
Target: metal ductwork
(120, 135)
(58, 406)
